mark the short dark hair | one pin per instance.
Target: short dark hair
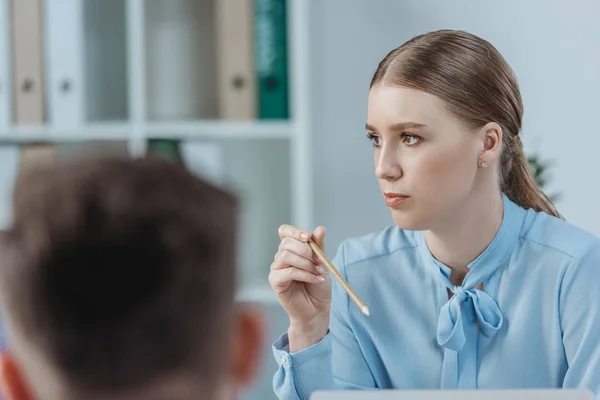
(122, 270)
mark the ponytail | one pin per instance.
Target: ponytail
(518, 183)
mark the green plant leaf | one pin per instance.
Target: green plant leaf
(539, 169)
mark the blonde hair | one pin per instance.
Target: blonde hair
(478, 86)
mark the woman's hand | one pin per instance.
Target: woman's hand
(302, 286)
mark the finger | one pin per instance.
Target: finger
(291, 231)
(286, 259)
(284, 277)
(296, 246)
(319, 237)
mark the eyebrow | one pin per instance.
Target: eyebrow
(401, 126)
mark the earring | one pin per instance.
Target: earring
(483, 164)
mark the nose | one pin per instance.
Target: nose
(386, 164)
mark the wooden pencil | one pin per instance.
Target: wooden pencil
(357, 300)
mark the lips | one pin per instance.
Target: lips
(394, 199)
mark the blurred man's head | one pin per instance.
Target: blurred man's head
(117, 281)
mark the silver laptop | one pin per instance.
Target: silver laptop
(481, 394)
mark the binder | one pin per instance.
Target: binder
(5, 74)
(27, 62)
(167, 148)
(201, 158)
(235, 58)
(271, 59)
(27, 67)
(64, 36)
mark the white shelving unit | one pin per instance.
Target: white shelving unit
(266, 162)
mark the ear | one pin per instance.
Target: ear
(12, 380)
(491, 135)
(247, 344)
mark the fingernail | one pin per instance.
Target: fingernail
(304, 236)
(320, 279)
(320, 269)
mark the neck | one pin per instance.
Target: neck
(467, 232)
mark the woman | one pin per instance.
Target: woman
(480, 283)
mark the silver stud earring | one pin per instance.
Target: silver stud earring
(483, 164)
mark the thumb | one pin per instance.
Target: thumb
(319, 237)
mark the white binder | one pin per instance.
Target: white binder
(27, 61)
(64, 62)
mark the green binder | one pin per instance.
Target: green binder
(271, 59)
(165, 148)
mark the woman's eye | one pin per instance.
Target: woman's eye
(374, 139)
(409, 140)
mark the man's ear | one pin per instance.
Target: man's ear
(247, 339)
(12, 380)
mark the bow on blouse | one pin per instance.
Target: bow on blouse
(451, 332)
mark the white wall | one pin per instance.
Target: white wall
(551, 45)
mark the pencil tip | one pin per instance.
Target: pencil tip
(365, 310)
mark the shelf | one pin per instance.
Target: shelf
(211, 129)
(215, 129)
(88, 132)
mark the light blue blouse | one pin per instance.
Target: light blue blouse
(535, 324)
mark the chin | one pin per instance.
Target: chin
(409, 221)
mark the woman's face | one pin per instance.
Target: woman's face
(426, 160)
